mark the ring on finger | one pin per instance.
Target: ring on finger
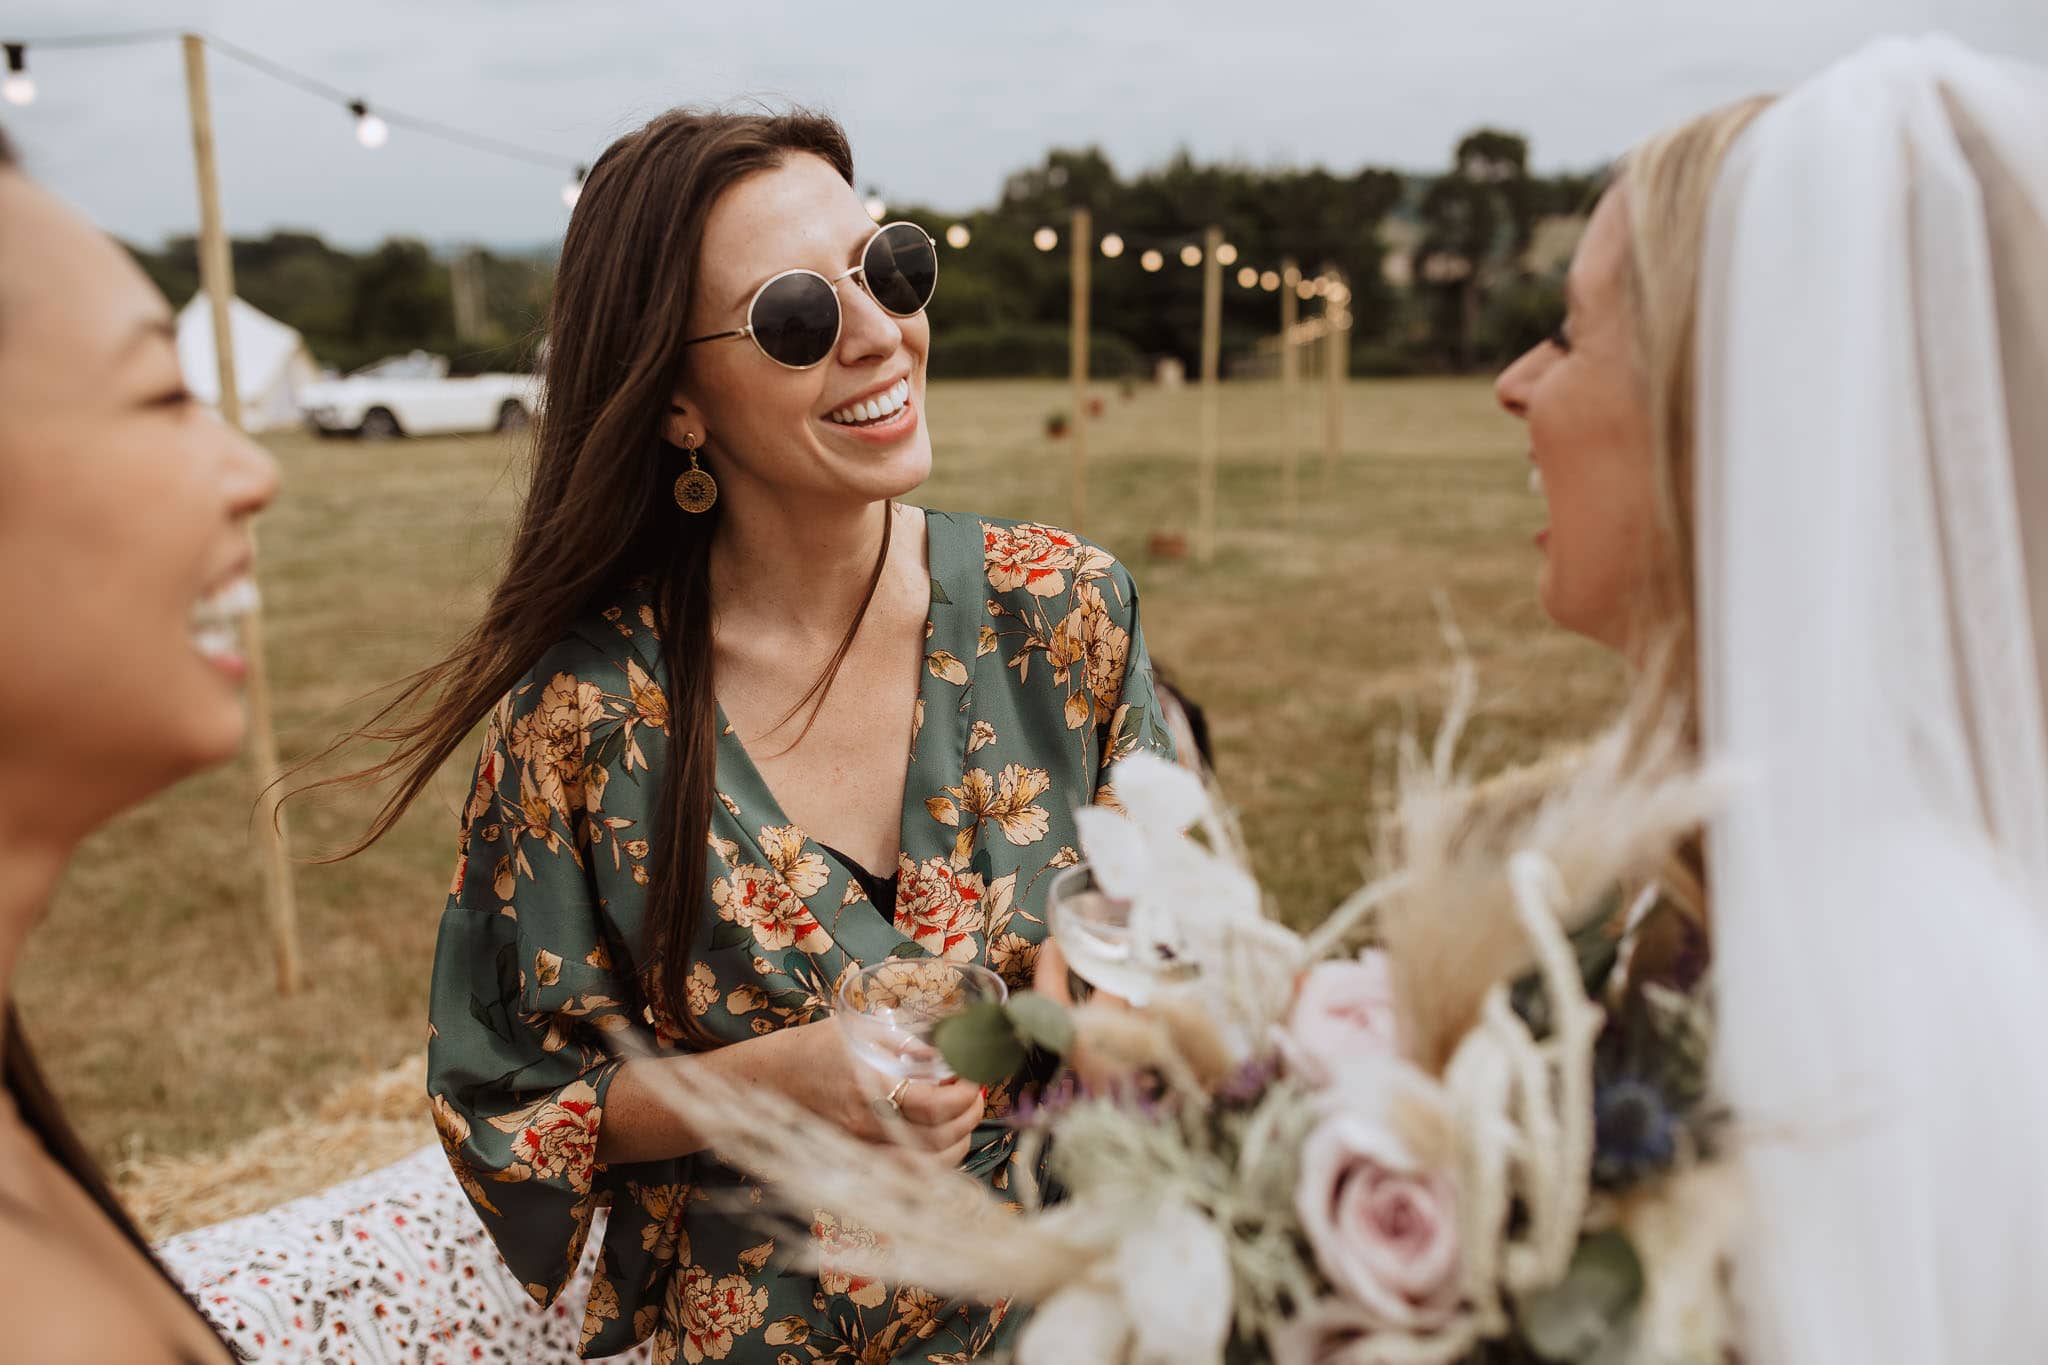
(891, 1105)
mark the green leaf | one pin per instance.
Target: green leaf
(1594, 1302)
(789, 999)
(910, 948)
(979, 1044)
(727, 935)
(939, 595)
(1042, 1022)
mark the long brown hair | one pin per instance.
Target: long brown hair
(598, 511)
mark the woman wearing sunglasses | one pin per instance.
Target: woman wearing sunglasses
(751, 724)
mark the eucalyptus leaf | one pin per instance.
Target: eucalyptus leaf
(1042, 1022)
(980, 1044)
(1592, 1304)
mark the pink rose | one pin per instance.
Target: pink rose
(1383, 1228)
(1343, 1014)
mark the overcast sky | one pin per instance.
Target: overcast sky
(942, 100)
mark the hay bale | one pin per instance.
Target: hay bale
(368, 1123)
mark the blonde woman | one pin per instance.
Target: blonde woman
(1795, 421)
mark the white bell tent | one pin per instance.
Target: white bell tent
(271, 362)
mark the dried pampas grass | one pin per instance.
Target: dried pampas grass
(1604, 816)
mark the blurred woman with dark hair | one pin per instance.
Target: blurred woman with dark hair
(123, 511)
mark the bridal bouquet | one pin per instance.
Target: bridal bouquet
(1465, 1119)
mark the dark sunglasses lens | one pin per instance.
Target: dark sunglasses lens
(902, 269)
(796, 319)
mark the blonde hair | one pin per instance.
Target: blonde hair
(1667, 187)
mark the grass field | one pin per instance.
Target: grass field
(1309, 640)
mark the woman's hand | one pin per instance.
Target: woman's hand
(808, 1064)
(933, 1116)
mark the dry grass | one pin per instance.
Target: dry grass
(1308, 640)
(368, 1122)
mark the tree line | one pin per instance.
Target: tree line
(1443, 268)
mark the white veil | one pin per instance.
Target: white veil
(1873, 544)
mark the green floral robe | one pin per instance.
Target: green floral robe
(1036, 679)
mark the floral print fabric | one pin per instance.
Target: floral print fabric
(1036, 679)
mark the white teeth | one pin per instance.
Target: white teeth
(875, 409)
(217, 642)
(216, 621)
(1535, 480)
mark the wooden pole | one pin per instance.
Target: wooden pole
(465, 286)
(217, 277)
(1083, 234)
(1290, 361)
(1336, 366)
(1212, 364)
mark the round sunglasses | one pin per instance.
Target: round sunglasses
(795, 317)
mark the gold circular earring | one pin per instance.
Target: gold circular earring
(696, 490)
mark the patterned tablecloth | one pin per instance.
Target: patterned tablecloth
(391, 1268)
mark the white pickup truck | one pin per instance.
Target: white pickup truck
(412, 395)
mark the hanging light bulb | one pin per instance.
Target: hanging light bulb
(1247, 278)
(371, 131)
(1151, 261)
(1045, 239)
(875, 205)
(1270, 281)
(1191, 254)
(20, 87)
(957, 236)
(1226, 254)
(1112, 246)
(573, 191)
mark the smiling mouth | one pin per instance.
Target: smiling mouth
(216, 623)
(880, 408)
